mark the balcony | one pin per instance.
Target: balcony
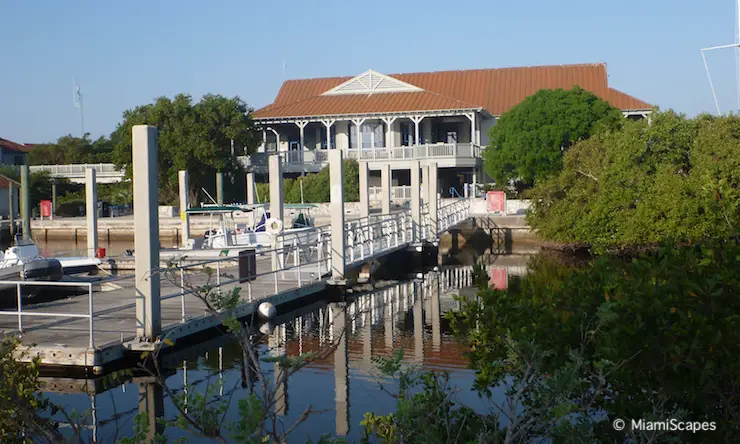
(446, 154)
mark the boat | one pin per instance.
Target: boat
(22, 262)
(235, 228)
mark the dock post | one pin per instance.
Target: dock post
(435, 315)
(364, 190)
(385, 188)
(53, 198)
(336, 207)
(91, 211)
(418, 324)
(146, 233)
(184, 189)
(219, 188)
(416, 200)
(151, 405)
(11, 210)
(25, 201)
(276, 199)
(433, 204)
(341, 369)
(250, 188)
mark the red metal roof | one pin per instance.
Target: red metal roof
(495, 90)
(12, 146)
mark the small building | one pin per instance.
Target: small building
(439, 116)
(12, 153)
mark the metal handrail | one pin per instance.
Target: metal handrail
(20, 313)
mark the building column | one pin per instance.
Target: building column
(146, 232)
(328, 123)
(385, 188)
(389, 142)
(336, 207)
(364, 190)
(417, 120)
(433, 204)
(301, 125)
(277, 139)
(471, 118)
(358, 124)
(91, 212)
(53, 198)
(263, 146)
(184, 205)
(250, 188)
(416, 199)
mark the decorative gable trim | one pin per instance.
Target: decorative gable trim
(371, 82)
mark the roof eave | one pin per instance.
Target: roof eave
(347, 116)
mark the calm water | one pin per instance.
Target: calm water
(406, 315)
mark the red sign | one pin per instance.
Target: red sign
(496, 202)
(45, 208)
(499, 278)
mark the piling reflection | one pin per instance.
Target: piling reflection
(374, 322)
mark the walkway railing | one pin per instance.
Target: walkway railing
(77, 169)
(373, 236)
(452, 214)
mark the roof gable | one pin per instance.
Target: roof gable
(370, 82)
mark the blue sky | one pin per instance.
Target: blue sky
(127, 53)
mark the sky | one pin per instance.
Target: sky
(127, 53)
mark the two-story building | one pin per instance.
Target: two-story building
(440, 116)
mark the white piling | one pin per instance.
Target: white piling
(184, 189)
(416, 199)
(146, 229)
(91, 211)
(250, 188)
(336, 180)
(433, 203)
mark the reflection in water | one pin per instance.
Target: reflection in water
(407, 315)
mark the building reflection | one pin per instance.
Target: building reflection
(407, 315)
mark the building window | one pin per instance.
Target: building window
(373, 135)
(333, 135)
(19, 160)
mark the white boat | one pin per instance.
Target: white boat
(22, 262)
(25, 253)
(252, 231)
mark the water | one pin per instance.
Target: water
(407, 315)
(70, 248)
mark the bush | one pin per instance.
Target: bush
(316, 187)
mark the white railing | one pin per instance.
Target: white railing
(452, 214)
(424, 151)
(370, 236)
(319, 158)
(397, 193)
(77, 169)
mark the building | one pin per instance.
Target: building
(12, 153)
(442, 117)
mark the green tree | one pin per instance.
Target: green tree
(528, 141)
(69, 149)
(195, 137)
(675, 178)
(316, 187)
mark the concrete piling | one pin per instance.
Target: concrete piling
(433, 203)
(416, 199)
(336, 180)
(146, 238)
(184, 190)
(26, 201)
(91, 211)
(250, 188)
(220, 188)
